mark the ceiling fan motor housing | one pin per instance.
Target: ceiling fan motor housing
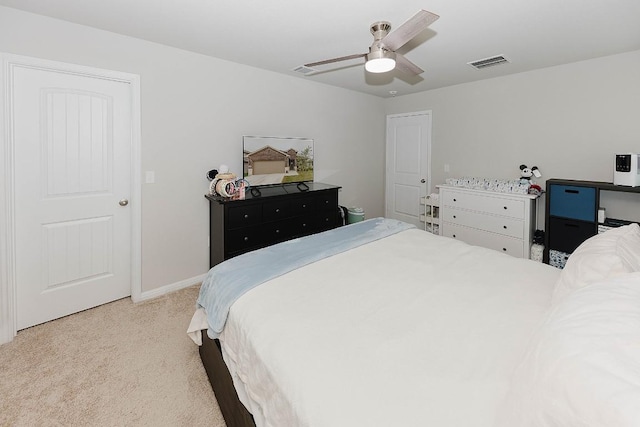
(380, 29)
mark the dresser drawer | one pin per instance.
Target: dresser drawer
(325, 220)
(244, 215)
(327, 200)
(303, 205)
(302, 226)
(243, 239)
(278, 231)
(276, 210)
(472, 236)
(483, 203)
(575, 202)
(496, 224)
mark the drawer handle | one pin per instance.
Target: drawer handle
(304, 206)
(246, 216)
(570, 225)
(505, 208)
(454, 236)
(277, 231)
(504, 249)
(304, 225)
(454, 216)
(504, 226)
(277, 210)
(572, 191)
(246, 239)
(454, 200)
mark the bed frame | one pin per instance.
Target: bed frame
(234, 412)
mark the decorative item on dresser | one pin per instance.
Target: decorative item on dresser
(278, 213)
(571, 215)
(501, 221)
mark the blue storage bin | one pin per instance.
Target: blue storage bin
(574, 202)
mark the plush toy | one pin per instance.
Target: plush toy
(526, 173)
(535, 189)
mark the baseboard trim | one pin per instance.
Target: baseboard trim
(172, 287)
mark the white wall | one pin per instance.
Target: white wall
(568, 120)
(195, 110)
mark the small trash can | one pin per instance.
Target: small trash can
(355, 215)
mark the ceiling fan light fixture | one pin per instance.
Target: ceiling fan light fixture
(380, 61)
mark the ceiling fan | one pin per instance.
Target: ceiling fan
(382, 55)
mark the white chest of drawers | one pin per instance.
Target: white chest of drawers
(501, 221)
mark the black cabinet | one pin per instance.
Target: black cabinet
(279, 213)
(571, 214)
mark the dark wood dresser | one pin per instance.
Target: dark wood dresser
(279, 213)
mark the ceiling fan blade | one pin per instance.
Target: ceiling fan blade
(342, 58)
(405, 32)
(403, 64)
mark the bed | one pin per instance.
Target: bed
(379, 323)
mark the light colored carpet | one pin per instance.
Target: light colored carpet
(120, 364)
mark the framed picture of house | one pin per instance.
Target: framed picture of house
(269, 160)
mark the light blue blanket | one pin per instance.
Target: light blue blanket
(229, 280)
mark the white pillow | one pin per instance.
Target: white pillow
(597, 258)
(629, 248)
(582, 367)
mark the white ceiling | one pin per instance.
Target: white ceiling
(279, 35)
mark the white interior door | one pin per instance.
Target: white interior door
(72, 139)
(408, 159)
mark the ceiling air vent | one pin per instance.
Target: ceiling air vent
(302, 69)
(488, 62)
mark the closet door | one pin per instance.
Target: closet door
(72, 142)
(408, 165)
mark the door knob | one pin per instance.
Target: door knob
(123, 202)
(423, 181)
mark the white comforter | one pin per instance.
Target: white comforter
(411, 330)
